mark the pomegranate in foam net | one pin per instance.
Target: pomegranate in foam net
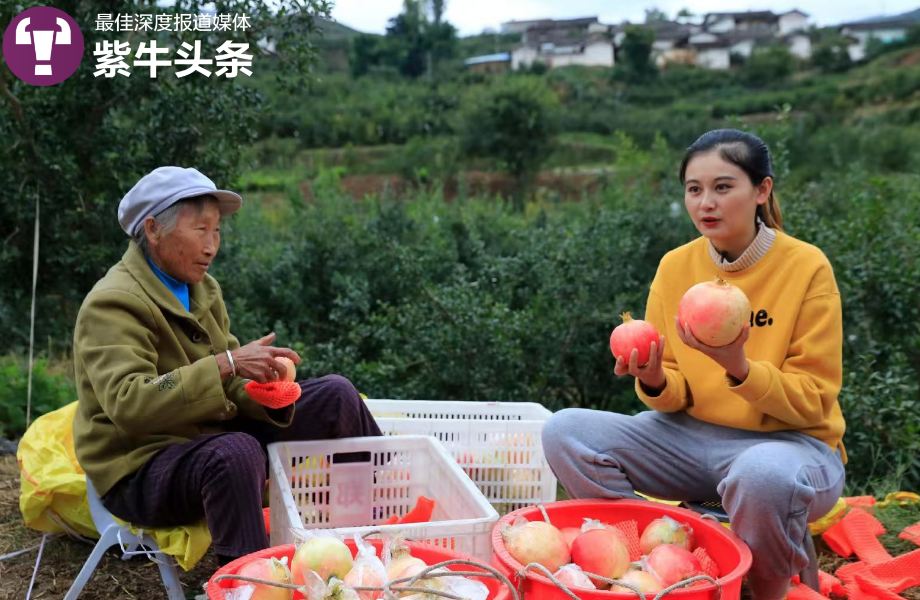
(666, 531)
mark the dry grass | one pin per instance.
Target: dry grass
(63, 558)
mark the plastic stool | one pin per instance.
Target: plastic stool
(111, 534)
(809, 574)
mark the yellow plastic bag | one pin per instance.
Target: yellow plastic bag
(53, 490)
(830, 519)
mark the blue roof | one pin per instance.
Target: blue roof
(476, 60)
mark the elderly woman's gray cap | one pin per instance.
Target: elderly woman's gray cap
(162, 188)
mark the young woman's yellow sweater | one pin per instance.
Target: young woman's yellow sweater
(795, 349)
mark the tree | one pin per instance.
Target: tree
(77, 147)
(767, 65)
(364, 52)
(417, 40)
(655, 15)
(831, 55)
(875, 47)
(637, 51)
(514, 123)
(913, 36)
(406, 43)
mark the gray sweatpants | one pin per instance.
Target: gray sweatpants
(770, 484)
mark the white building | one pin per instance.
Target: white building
(562, 43)
(594, 51)
(886, 31)
(792, 21)
(740, 33)
(523, 26)
(713, 55)
(799, 45)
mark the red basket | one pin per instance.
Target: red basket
(427, 552)
(731, 554)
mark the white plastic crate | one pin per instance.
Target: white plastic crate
(311, 488)
(497, 444)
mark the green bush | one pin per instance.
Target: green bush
(49, 392)
(512, 123)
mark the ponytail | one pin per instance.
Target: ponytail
(770, 213)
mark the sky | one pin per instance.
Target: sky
(473, 16)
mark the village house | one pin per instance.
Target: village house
(565, 43)
(887, 31)
(490, 64)
(709, 43)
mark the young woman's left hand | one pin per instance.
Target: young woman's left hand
(730, 357)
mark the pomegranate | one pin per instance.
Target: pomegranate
(367, 571)
(670, 564)
(269, 569)
(365, 575)
(715, 311)
(290, 370)
(536, 542)
(327, 556)
(646, 582)
(633, 333)
(569, 534)
(402, 563)
(571, 576)
(666, 531)
(601, 552)
(433, 583)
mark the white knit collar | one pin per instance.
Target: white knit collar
(762, 242)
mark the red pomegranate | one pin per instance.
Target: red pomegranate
(633, 333)
(601, 552)
(715, 311)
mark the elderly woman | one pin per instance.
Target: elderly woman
(165, 429)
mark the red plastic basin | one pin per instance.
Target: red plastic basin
(427, 552)
(727, 550)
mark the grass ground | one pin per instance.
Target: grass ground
(114, 578)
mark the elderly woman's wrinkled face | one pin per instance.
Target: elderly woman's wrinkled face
(186, 252)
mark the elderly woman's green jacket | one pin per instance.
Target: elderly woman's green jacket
(146, 373)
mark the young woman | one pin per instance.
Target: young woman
(754, 424)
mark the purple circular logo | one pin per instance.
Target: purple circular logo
(43, 46)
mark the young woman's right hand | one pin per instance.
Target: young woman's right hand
(257, 360)
(652, 374)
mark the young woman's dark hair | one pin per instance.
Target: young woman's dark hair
(746, 151)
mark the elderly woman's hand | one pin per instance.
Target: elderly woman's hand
(257, 360)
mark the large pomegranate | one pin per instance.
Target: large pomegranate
(633, 333)
(536, 542)
(327, 556)
(666, 531)
(646, 582)
(670, 564)
(267, 569)
(601, 552)
(715, 311)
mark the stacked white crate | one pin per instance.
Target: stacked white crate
(497, 444)
(310, 489)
